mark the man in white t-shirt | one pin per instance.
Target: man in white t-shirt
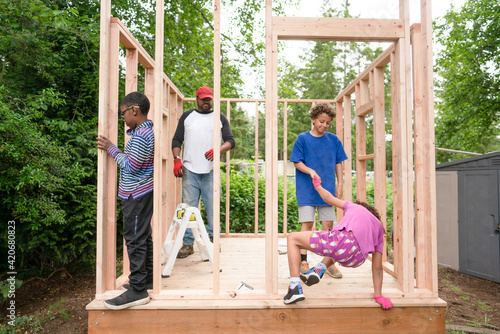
(195, 129)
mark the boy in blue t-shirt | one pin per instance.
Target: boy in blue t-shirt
(318, 153)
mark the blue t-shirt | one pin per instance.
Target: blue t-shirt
(321, 154)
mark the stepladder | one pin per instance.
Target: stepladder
(185, 217)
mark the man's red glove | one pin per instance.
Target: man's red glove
(385, 302)
(316, 182)
(178, 168)
(210, 155)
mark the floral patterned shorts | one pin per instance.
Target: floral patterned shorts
(341, 246)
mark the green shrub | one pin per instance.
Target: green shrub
(242, 203)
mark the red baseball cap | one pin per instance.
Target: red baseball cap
(204, 92)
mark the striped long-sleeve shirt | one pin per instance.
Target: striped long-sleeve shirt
(136, 162)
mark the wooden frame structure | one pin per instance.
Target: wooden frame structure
(215, 309)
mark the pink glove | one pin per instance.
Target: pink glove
(178, 168)
(210, 155)
(385, 302)
(316, 182)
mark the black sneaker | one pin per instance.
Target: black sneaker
(185, 251)
(127, 299)
(294, 295)
(149, 287)
(313, 276)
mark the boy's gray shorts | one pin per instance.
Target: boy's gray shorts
(307, 213)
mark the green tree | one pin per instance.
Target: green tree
(49, 56)
(328, 68)
(468, 84)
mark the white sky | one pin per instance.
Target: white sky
(363, 8)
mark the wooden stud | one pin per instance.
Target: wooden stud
(216, 145)
(228, 169)
(256, 171)
(347, 148)
(102, 159)
(379, 147)
(157, 117)
(112, 169)
(431, 282)
(395, 137)
(285, 168)
(339, 127)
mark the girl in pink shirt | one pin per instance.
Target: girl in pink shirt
(358, 234)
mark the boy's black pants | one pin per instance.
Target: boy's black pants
(137, 215)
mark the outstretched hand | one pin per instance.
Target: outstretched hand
(385, 302)
(316, 182)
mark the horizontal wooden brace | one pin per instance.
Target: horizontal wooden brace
(366, 157)
(338, 29)
(365, 109)
(382, 60)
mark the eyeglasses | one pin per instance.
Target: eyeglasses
(122, 113)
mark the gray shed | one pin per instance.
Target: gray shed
(468, 207)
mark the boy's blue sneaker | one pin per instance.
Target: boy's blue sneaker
(294, 295)
(313, 276)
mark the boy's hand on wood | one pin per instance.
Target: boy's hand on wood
(103, 143)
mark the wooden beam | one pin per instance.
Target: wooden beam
(256, 170)
(402, 141)
(347, 148)
(420, 156)
(366, 157)
(395, 137)
(379, 148)
(382, 60)
(431, 280)
(216, 146)
(338, 29)
(362, 98)
(365, 109)
(285, 168)
(271, 153)
(228, 169)
(272, 319)
(340, 134)
(102, 157)
(157, 107)
(112, 170)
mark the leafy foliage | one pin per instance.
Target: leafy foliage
(48, 104)
(468, 85)
(242, 202)
(41, 184)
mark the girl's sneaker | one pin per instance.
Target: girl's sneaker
(313, 276)
(304, 267)
(294, 295)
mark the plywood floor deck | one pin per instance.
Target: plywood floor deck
(187, 302)
(243, 260)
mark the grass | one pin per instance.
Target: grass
(35, 323)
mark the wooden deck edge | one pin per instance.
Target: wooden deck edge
(283, 319)
(247, 304)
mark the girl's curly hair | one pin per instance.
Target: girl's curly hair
(368, 207)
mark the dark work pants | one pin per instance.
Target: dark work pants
(137, 215)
